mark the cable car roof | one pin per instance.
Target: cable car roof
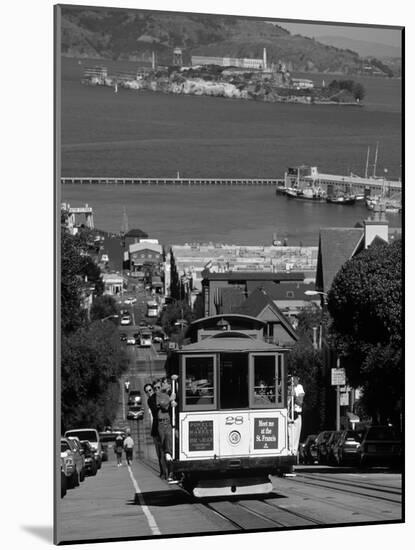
(230, 344)
(230, 317)
(234, 321)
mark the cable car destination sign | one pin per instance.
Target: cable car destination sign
(266, 433)
(338, 377)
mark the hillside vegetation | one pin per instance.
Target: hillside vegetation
(135, 35)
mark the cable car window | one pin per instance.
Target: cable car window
(264, 381)
(199, 379)
(234, 387)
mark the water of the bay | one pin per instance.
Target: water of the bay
(151, 134)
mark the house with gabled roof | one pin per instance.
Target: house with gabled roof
(218, 287)
(337, 245)
(278, 330)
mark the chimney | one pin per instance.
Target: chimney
(377, 226)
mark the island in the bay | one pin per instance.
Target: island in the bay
(214, 55)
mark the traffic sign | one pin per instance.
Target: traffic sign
(338, 377)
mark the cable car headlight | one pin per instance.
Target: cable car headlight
(234, 437)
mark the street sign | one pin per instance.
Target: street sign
(338, 377)
(344, 399)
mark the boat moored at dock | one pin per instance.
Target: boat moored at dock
(306, 182)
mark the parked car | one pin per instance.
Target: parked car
(79, 455)
(380, 446)
(321, 446)
(64, 479)
(142, 324)
(331, 442)
(135, 412)
(131, 341)
(308, 451)
(91, 435)
(107, 442)
(130, 300)
(73, 464)
(134, 398)
(90, 461)
(126, 320)
(345, 451)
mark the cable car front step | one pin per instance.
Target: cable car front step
(232, 486)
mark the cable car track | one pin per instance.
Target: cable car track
(367, 484)
(248, 515)
(347, 487)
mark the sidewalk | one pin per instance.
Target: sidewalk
(129, 502)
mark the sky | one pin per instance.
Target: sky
(390, 37)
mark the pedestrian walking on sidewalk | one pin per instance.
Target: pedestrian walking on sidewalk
(118, 448)
(128, 447)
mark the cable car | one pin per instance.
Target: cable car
(230, 421)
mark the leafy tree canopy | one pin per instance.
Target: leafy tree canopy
(179, 309)
(365, 303)
(307, 363)
(103, 306)
(92, 361)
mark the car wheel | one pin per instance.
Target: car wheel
(82, 475)
(94, 470)
(99, 464)
(63, 485)
(75, 479)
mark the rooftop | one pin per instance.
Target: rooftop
(254, 276)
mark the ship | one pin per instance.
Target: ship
(341, 199)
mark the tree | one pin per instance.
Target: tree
(355, 88)
(365, 304)
(79, 273)
(92, 362)
(103, 306)
(72, 314)
(179, 309)
(358, 91)
(91, 356)
(307, 362)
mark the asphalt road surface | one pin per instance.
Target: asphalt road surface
(133, 502)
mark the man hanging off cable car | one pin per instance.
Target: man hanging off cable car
(295, 412)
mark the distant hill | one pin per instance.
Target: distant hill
(363, 48)
(105, 33)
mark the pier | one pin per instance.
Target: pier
(170, 181)
(356, 185)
